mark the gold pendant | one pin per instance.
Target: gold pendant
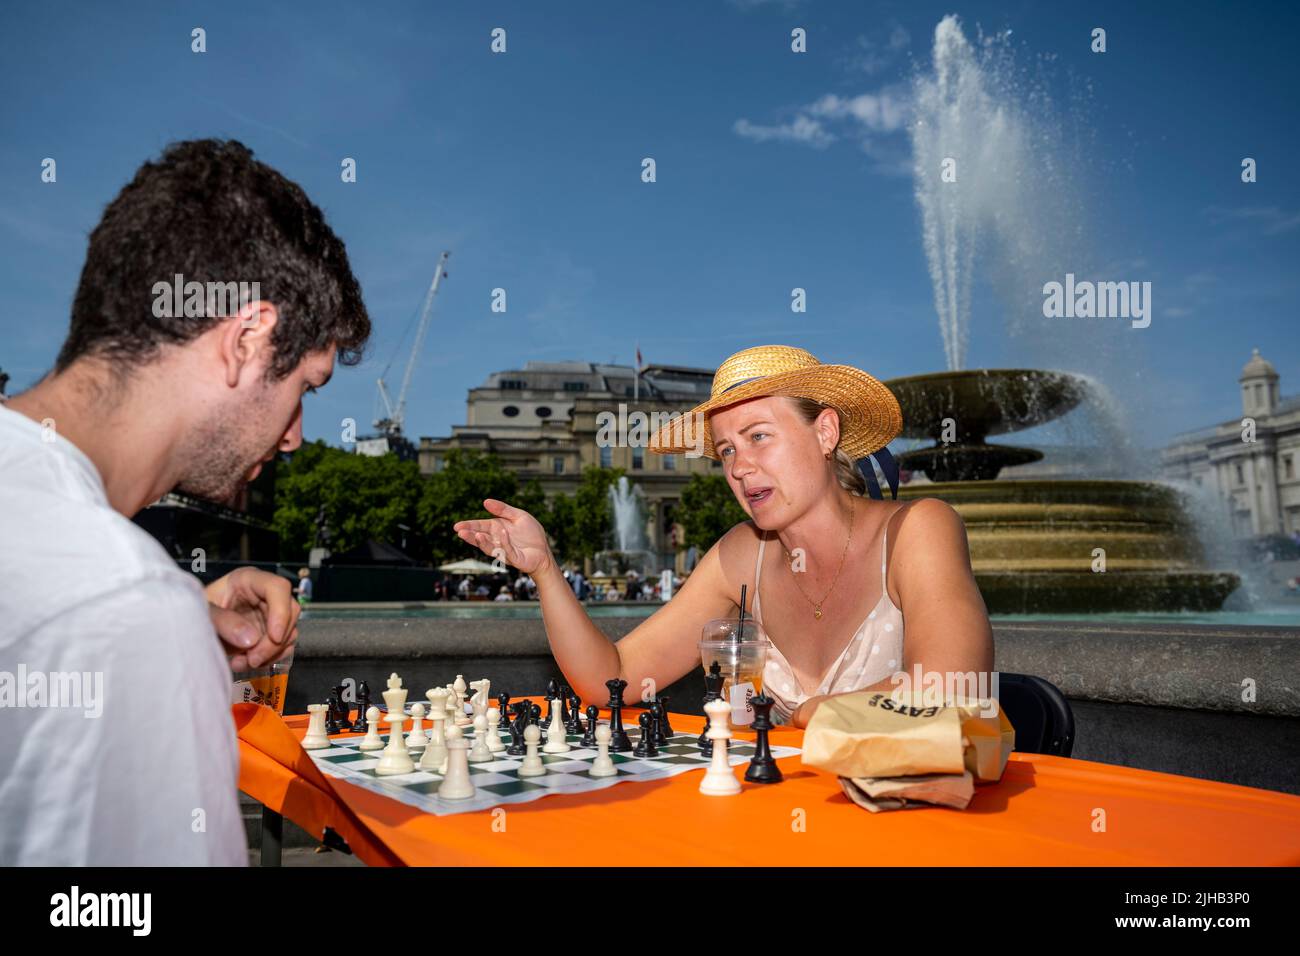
(817, 612)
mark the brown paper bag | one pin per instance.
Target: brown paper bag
(900, 793)
(882, 735)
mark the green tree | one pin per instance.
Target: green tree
(708, 510)
(456, 493)
(363, 497)
(582, 524)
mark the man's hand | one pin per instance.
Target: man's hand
(255, 615)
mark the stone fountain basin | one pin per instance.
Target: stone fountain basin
(1034, 546)
(987, 401)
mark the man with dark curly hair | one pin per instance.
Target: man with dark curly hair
(213, 297)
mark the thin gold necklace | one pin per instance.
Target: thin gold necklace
(817, 605)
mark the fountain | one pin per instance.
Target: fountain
(1036, 545)
(630, 551)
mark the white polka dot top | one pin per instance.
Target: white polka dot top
(872, 654)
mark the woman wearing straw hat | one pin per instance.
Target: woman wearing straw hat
(833, 568)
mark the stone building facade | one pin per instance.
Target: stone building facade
(1251, 462)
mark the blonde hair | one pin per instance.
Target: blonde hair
(846, 469)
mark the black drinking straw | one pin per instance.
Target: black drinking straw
(741, 635)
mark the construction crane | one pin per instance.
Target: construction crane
(390, 424)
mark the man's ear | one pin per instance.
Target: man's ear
(246, 340)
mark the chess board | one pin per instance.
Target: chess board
(497, 782)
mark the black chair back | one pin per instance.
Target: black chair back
(1039, 712)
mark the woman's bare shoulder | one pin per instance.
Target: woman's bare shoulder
(737, 551)
(927, 526)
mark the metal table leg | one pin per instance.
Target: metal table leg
(272, 836)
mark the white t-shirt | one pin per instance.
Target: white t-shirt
(117, 746)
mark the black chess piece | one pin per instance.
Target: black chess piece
(342, 714)
(552, 692)
(645, 747)
(660, 721)
(503, 705)
(361, 725)
(574, 724)
(332, 708)
(712, 691)
(619, 741)
(565, 693)
(535, 717)
(517, 746)
(589, 736)
(664, 726)
(762, 766)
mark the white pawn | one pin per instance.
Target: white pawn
(494, 742)
(316, 737)
(372, 740)
(456, 785)
(602, 766)
(435, 755)
(719, 780)
(416, 739)
(532, 765)
(395, 759)
(555, 742)
(451, 704)
(480, 753)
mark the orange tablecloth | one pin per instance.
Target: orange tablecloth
(1046, 811)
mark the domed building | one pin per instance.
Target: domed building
(1253, 462)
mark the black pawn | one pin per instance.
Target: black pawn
(589, 737)
(645, 747)
(535, 717)
(664, 726)
(660, 722)
(619, 742)
(712, 691)
(361, 725)
(762, 767)
(565, 693)
(552, 692)
(503, 705)
(331, 717)
(574, 724)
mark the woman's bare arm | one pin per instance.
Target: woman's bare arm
(660, 649)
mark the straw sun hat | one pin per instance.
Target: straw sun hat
(869, 414)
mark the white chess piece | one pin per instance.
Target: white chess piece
(494, 742)
(532, 765)
(555, 742)
(451, 704)
(480, 752)
(316, 737)
(416, 740)
(456, 785)
(602, 766)
(719, 780)
(462, 719)
(372, 740)
(395, 759)
(435, 755)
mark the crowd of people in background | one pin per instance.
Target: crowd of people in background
(499, 588)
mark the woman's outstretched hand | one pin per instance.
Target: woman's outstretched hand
(514, 536)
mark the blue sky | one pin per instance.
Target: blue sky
(527, 167)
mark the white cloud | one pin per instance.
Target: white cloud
(871, 55)
(879, 112)
(802, 129)
(1271, 218)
